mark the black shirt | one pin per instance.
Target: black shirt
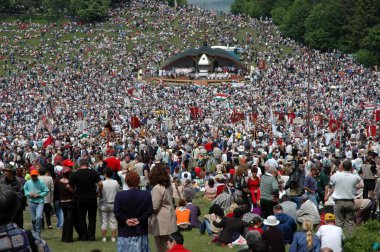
(84, 182)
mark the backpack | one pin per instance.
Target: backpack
(326, 163)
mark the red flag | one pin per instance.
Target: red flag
(130, 91)
(334, 125)
(377, 115)
(371, 130)
(236, 116)
(253, 117)
(194, 112)
(48, 142)
(135, 122)
(291, 117)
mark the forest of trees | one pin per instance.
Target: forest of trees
(350, 26)
(85, 10)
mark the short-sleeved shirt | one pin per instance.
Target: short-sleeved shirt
(84, 182)
(322, 181)
(344, 184)
(311, 183)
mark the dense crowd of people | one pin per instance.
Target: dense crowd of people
(80, 133)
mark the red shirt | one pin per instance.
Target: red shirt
(178, 248)
(208, 146)
(113, 163)
(197, 170)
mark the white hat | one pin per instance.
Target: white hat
(271, 221)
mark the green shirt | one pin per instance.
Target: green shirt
(322, 181)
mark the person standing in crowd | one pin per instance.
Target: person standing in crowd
(16, 185)
(369, 174)
(106, 205)
(12, 237)
(35, 190)
(344, 187)
(331, 235)
(69, 208)
(295, 183)
(48, 181)
(310, 185)
(132, 209)
(272, 236)
(269, 192)
(253, 185)
(162, 222)
(85, 182)
(174, 243)
(305, 241)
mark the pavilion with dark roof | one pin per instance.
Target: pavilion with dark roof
(203, 60)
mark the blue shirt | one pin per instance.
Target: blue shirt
(311, 183)
(37, 187)
(299, 243)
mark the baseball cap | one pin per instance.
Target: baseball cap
(67, 162)
(33, 173)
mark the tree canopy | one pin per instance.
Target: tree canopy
(347, 25)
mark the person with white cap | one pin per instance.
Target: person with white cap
(272, 236)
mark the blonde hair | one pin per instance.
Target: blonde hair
(308, 227)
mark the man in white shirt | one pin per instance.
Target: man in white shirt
(330, 235)
(344, 189)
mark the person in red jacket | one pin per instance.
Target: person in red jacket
(174, 243)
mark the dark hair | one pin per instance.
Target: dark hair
(189, 199)
(211, 183)
(108, 172)
(42, 171)
(256, 220)
(132, 179)
(284, 198)
(181, 202)
(238, 212)
(177, 237)
(217, 210)
(9, 203)
(254, 170)
(347, 165)
(158, 175)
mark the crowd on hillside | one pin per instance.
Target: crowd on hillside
(247, 154)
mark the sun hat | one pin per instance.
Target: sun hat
(271, 221)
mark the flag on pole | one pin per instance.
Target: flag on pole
(377, 115)
(84, 134)
(369, 107)
(135, 122)
(195, 112)
(220, 97)
(135, 98)
(371, 130)
(48, 142)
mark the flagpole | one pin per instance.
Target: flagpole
(308, 107)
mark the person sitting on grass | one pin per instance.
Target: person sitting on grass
(215, 213)
(195, 212)
(232, 227)
(12, 237)
(331, 236)
(183, 216)
(175, 242)
(305, 241)
(256, 224)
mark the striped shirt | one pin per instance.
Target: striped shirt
(268, 186)
(344, 185)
